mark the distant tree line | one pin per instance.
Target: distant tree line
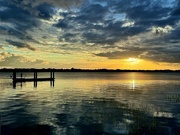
(79, 70)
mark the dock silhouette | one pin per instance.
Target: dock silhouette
(35, 79)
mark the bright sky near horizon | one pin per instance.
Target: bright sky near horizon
(114, 34)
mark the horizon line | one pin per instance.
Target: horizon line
(79, 69)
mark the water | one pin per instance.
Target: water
(92, 104)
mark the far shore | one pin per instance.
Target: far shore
(79, 70)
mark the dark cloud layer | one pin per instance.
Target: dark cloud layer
(59, 3)
(20, 45)
(19, 20)
(119, 55)
(95, 25)
(45, 11)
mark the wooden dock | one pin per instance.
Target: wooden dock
(35, 79)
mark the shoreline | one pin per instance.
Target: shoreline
(80, 70)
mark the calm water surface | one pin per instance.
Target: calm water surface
(92, 104)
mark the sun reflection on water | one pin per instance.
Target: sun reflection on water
(133, 84)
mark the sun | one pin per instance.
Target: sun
(133, 60)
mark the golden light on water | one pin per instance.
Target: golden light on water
(133, 84)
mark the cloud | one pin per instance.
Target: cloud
(176, 11)
(173, 36)
(18, 16)
(161, 30)
(61, 24)
(11, 60)
(92, 13)
(61, 3)
(152, 53)
(45, 11)
(57, 3)
(20, 45)
(91, 25)
(3, 55)
(146, 13)
(85, 17)
(168, 56)
(17, 21)
(119, 54)
(108, 24)
(96, 23)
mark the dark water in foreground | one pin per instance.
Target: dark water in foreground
(92, 104)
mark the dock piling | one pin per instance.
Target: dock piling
(35, 79)
(52, 78)
(14, 75)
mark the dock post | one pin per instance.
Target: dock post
(35, 84)
(53, 74)
(34, 75)
(14, 79)
(52, 78)
(14, 85)
(50, 74)
(35, 79)
(14, 75)
(53, 82)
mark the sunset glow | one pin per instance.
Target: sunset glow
(133, 60)
(89, 34)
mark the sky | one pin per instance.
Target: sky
(90, 34)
